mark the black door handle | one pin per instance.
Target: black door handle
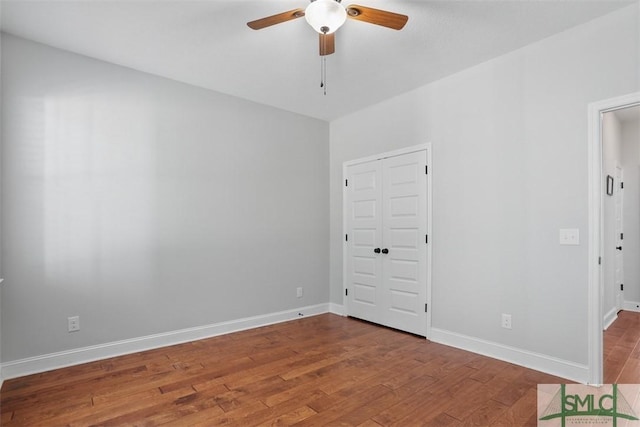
(617, 247)
(385, 251)
(376, 250)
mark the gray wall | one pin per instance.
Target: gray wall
(509, 170)
(144, 205)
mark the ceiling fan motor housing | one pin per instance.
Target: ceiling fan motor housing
(325, 16)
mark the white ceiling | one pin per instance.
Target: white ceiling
(206, 43)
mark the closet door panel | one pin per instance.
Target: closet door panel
(404, 232)
(364, 225)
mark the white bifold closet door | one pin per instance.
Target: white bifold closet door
(386, 242)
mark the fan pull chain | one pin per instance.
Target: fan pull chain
(323, 74)
(323, 61)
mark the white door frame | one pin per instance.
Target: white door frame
(619, 255)
(596, 228)
(422, 147)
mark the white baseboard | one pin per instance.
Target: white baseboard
(338, 309)
(47, 362)
(528, 359)
(609, 318)
(631, 306)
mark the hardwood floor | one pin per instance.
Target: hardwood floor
(322, 370)
(622, 350)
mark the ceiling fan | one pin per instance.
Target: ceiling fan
(326, 16)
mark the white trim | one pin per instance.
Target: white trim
(594, 309)
(345, 299)
(77, 356)
(528, 359)
(387, 154)
(609, 318)
(631, 306)
(618, 233)
(431, 239)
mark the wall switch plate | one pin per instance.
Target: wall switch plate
(569, 236)
(506, 321)
(74, 323)
(299, 292)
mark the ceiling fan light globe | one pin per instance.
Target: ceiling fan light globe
(325, 16)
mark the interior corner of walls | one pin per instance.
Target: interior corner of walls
(48, 362)
(338, 309)
(609, 318)
(528, 359)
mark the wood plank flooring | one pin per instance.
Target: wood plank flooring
(321, 370)
(622, 350)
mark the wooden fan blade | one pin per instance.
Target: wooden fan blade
(276, 19)
(376, 16)
(327, 44)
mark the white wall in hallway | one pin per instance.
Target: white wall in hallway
(630, 135)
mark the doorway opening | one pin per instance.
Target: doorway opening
(604, 174)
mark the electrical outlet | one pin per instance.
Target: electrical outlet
(74, 323)
(506, 321)
(569, 236)
(299, 292)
